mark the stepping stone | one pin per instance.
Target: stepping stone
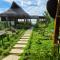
(19, 46)
(25, 37)
(16, 51)
(26, 34)
(11, 57)
(22, 42)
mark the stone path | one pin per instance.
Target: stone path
(18, 48)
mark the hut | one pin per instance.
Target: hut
(14, 13)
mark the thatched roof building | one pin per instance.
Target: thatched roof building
(15, 11)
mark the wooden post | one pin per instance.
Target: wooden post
(24, 20)
(56, 33)
(38, 20)
(57, 24)
(16, 21)
(30, 20)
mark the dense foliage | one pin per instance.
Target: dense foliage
(9, 40)
(2, 25)
(40, 46)
(24, 25)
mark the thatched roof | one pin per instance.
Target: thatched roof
(14, 5)
(15, 11)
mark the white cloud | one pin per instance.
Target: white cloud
(29, 3)
(34, 10)
(3, 9)
(28, 6)
(37, 10)
(24, 2)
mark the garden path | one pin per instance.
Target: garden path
(18, 49)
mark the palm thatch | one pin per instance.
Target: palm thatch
(15, 11)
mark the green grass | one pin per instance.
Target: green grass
(9, 42)
(39, 47)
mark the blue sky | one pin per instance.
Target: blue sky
(33, 7)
